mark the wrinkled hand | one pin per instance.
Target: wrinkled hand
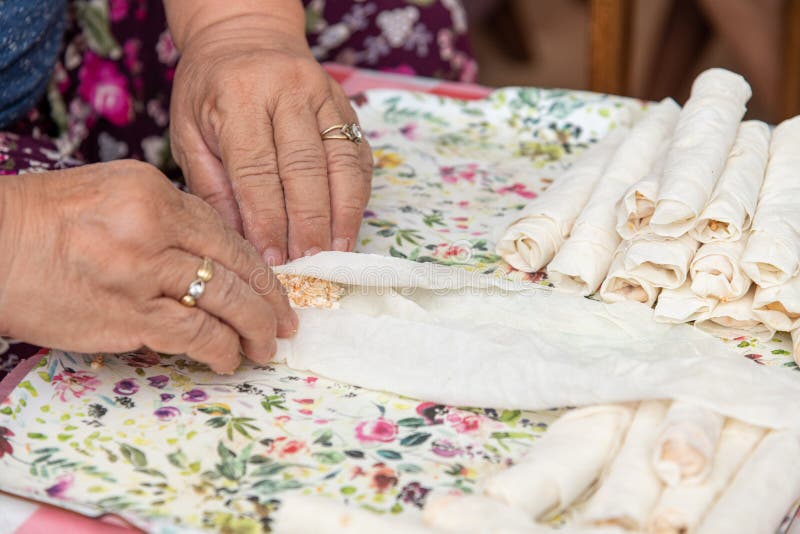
(248, 106)
(101, 254)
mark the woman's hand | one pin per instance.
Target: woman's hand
(248, 105)
(96, 259)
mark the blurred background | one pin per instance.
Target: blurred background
(643, 48)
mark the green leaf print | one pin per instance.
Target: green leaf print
(329, 457)
(412, 422)
(415, 439)
(133, 455)
(94, 20)
(389, 455)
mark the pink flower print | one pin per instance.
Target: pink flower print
(105, 89)
(517, 189)
(166, 49)
(445, 448)
(378, 431)
(409, 131)
(470, 423)
(158, 381)
(453, 175)
(131, 55)
(58, 489)
(117, 9)
(75, 382)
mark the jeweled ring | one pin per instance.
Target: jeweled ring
(198, 286)
(349, 132)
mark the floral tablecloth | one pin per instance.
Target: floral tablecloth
(164, 443)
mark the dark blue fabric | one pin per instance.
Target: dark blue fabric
(30, 39)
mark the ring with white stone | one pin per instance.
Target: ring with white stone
(198, 286)
(349, 132)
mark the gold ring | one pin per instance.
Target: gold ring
(198, 286)
(349, 132)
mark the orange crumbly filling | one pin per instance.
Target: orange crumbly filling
(310, 292)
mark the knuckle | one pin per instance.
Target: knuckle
(227, 288)
(344, 159)
(251, 168)
(301, 159)
(201, 332)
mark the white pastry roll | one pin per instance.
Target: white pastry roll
(584, 259)
(539, 230)
(716, 272)
(772, 255)
(735, 318)
(630, 489)
(700, 146)
(796, 345)
(681, 508)
(682, 305)
(621, 285)
(730, 211)
(560, 466)
(761, 493)
(474, 513)
(686, 443)
(638, 203)
(779, 306)
(661, 262)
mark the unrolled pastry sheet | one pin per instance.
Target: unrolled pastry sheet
(681, 508)
(772, 255)
(621, 285)
(636, 206)
(561, 465)
(661, 262)
(735, 318)
(584, 259)
(475, 343)
(730, 211)
(774, 470)
(682, 305)
(700, 147)
(686, 443)
(796, 345)
(779, 306)
(630, 490)
(539, 230)
(716, 272)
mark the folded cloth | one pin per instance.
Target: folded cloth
(700, 146)
(561, 466)
(682, 305)
(583, 261)
(538, 231)
(733, 203)
(301, 514)
(630, 489)
(772, 255)
(636, 206)
(715, 270)
(681, 507)
(621, 285)
(779, 306)
(735, 318)
(763, 490)
(661, 262)
(475, 514)
(684, 451)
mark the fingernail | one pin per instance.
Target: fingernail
(342, 244)
(312, 251)
(273, 256)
